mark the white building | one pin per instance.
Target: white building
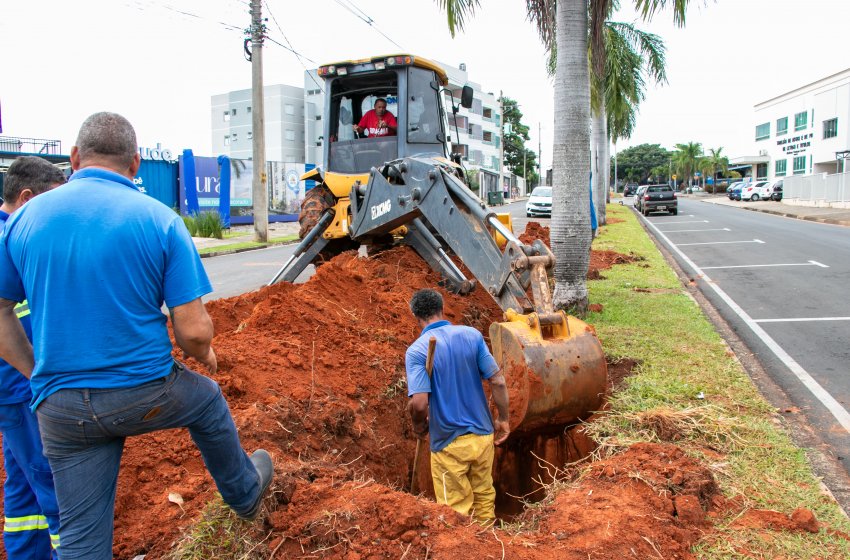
(284, 118)
(801, 132)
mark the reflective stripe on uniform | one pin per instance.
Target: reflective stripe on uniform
(22, 309)
(26, 523)
(54, 541)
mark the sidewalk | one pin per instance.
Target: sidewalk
(837, 216)
(244, 234)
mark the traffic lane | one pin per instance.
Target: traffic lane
(758, 339)
(239, 273)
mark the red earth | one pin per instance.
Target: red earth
(314, 373)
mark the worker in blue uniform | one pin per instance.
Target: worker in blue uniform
(31, 524)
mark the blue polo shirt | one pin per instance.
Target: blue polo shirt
(14, 387)
(457, 404)
(96, 259)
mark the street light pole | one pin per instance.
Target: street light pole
(259, 191)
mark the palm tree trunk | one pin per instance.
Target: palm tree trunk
(599, 135)
(570, 227)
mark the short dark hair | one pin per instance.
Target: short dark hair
(380, 99)
(107, 135)
(426, 303)
(33, 173)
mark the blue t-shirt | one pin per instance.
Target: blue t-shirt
(457, 404)
(96, 258)
(14, 387)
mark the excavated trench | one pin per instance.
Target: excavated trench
(314, 373)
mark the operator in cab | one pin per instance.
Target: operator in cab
(377, 121)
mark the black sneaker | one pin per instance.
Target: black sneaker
(265, 469)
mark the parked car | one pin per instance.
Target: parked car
(630, 189)
(539, 203)
(754, 191)
(776, 192)
(734, 192)
(638, 197)
(657, 198)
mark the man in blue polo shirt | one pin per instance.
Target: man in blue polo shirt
(450, 403)
(31, 524)
(96, 259)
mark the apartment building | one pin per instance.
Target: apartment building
(231, 115)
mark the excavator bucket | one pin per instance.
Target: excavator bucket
(554, 367)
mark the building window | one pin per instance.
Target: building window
(289, 135)
(800, 164)
(226, 116)
(830, 128)
(781, 126)
(488, 113)
(227, 140)
(763, 131)
(233, 137)
(488, 136)
(249, 109)
(781, 168)
(801, 120)
(250, 135)
(233, 111)
(289, 109)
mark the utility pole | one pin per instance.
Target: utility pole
(540, 180)
(258, 186)
(501, 142)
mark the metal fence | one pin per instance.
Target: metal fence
(820, 189)
(40, 146)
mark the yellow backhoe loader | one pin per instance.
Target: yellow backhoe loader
(408, 188)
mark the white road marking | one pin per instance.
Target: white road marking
(821, 394)
(716, 242)
(692, 230)
(689, 222)
(801, 319)
(810, 263)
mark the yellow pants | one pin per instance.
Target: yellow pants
(463, 476)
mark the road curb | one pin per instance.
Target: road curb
(242, 250)
(817, 219)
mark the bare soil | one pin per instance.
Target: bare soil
(314, 373)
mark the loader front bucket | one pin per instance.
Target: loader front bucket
(554, 368)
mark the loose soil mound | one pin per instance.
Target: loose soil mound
(314, 373)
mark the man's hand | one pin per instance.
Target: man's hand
(357, 129)
(421, 432)
(210, 361)
(503, 430)
(382, 124)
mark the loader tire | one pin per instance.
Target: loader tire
(316, 201)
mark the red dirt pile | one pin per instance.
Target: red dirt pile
(314, 373)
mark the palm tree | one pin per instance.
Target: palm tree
(563, 25)
(718, 162)
(685, 159)
(629, 54)
(658, 173)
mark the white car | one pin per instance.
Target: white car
(539, 203)
(755, 191)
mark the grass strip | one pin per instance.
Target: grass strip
(689, 389)
(232, 247)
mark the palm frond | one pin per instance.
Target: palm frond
(457, 12)
(648, 9)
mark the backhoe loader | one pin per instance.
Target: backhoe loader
(407, 188)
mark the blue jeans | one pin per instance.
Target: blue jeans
(83, 432)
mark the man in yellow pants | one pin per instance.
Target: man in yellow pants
(450, 403)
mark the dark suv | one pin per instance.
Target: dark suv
(658, 198)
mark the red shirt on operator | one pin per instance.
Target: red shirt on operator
(377, 121)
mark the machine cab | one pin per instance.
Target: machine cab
(410, 86)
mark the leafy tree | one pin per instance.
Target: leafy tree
(686, 159)
(658, 174)
(643, 158)
(518, 158)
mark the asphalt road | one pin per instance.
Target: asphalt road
(781, 284)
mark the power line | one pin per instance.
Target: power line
(298, 55)
(363, 16)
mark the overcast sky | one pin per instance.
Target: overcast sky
(158, 61)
